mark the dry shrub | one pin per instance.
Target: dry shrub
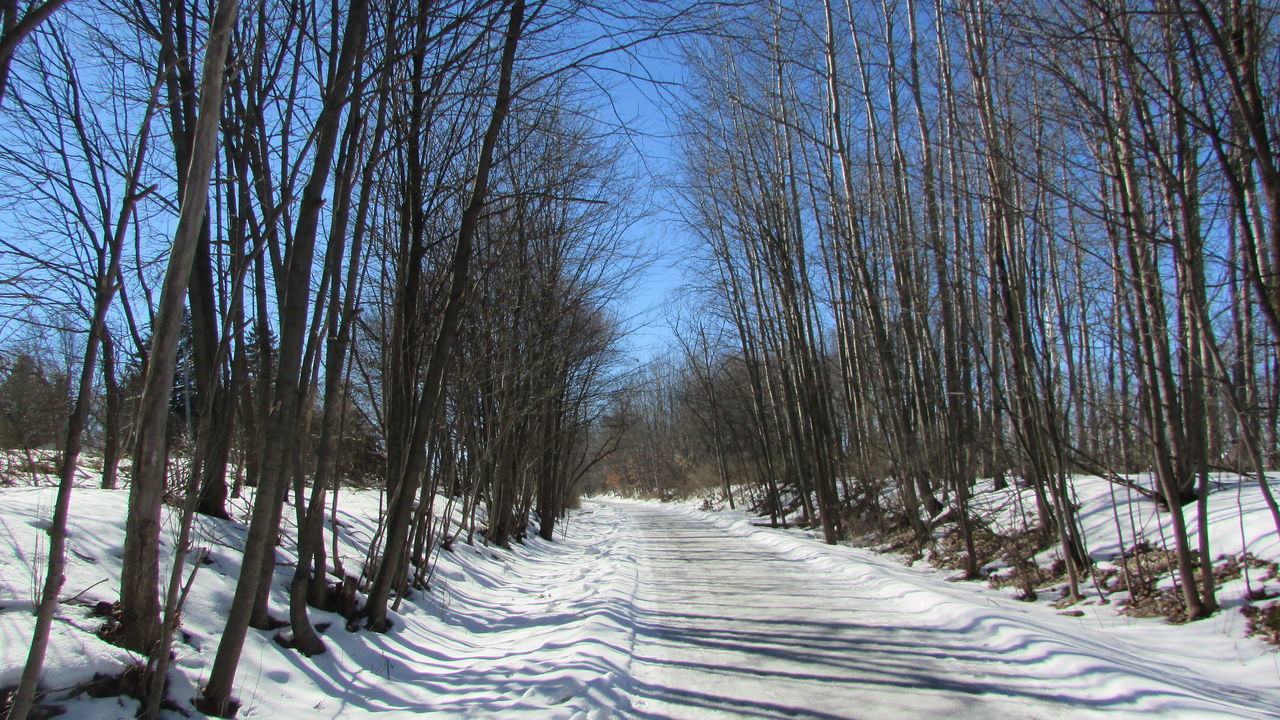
(1264, 621)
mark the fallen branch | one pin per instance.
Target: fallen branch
(1094, 469)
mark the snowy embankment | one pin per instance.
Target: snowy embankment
(540, 631)
(1115, 518)
(1120, 526)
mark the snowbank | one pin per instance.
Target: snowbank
(541, 630)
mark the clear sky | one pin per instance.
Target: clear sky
(645, 110)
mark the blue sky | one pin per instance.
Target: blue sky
(646, 110)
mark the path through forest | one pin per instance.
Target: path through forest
(645, 611)
(733, 621)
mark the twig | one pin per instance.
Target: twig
(82, 592)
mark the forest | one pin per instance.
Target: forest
(258, 255)
(936, 243)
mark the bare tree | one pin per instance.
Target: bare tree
(104, 225)
(15, 29)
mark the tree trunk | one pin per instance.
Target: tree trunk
(139, 598)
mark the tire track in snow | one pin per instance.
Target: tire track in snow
(734, 621)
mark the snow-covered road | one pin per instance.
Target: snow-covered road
(647, 611)
(736, 621)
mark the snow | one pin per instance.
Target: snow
(542, 630)
(1113, 517)
(644, 610)
(74, 654)
(1238, 516)
(857, 634)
